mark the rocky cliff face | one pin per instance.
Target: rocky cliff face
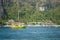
(1, 9)
(1, 12)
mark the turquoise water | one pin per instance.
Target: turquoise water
(30, 33)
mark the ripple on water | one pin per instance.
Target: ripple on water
(30, 33)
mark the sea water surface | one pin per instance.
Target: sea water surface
(30, 33)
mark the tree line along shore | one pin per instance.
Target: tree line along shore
(45, 11)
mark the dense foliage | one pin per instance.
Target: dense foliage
(29, 11)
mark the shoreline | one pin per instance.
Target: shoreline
(34, 25)
(43, 25)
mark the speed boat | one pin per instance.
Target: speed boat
(18, 26)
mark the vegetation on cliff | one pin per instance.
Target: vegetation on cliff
(29, 11)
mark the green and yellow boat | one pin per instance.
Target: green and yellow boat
(18, 26)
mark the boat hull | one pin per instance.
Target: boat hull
(16, 26)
